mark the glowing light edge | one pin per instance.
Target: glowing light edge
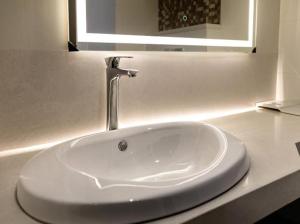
(197, 117)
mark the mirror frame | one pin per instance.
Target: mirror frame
(81, 35)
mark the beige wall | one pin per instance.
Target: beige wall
(51, 95)
(289, 45)
(33, 24)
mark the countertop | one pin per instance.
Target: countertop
(272, 182)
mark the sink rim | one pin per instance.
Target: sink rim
(222, 178)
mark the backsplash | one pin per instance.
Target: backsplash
(175, 14)
(49, 96)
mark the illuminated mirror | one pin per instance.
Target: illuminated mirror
(162, 25)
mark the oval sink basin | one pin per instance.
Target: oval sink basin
(131, 175)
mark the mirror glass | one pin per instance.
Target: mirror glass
(164, 24)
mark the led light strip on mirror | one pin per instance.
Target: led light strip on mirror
(84, 37)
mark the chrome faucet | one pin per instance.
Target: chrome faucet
(113, 75)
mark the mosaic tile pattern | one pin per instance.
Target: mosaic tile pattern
(175, 14)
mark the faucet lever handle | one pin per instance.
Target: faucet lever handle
(113, 62)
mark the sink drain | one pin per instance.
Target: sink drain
(123, 145)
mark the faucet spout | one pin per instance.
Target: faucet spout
(113, 75)
(131, 73)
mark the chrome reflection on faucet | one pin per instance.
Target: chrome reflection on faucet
(113, 75)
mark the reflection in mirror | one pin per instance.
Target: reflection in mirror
(175, 24)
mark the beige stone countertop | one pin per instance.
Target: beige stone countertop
(272, 182)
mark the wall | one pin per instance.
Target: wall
(33, 24)
(53, 95)
(289, 48)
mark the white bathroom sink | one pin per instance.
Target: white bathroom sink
(165, 169)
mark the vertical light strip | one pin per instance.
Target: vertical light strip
(251, 21)
(81, 20)
(85, 37)
(256, 14)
